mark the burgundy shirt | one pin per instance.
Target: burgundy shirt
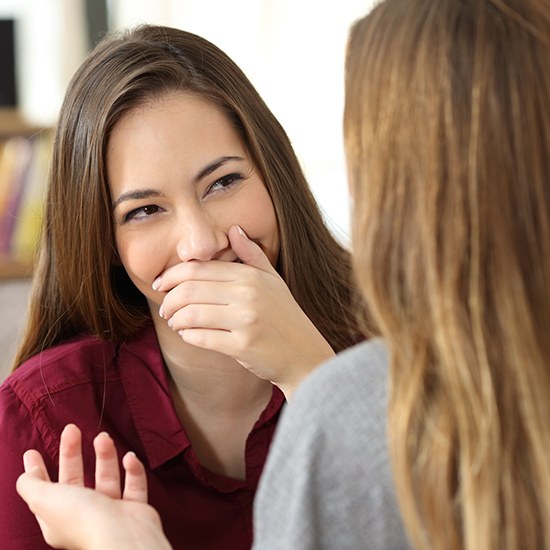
(123, 390)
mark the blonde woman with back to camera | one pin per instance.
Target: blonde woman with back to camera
(447, 130)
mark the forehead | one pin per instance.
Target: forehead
(179, 109)
(175, 132)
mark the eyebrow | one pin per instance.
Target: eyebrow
(213, 166)
(149, 193)
(136, 195)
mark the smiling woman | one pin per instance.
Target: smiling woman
(186, 277)
(197, 198)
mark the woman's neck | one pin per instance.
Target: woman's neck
(211, 377)
(217, 400)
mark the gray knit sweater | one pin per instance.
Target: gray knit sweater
(327, 482)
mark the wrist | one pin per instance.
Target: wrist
(299, 374)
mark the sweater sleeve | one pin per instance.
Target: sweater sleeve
(19, 529)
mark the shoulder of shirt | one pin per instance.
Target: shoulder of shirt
(81, 359)
(357, 372)
(363, 362)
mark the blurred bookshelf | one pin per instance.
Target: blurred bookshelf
(13, 269)
(24, 157)
(13, 124)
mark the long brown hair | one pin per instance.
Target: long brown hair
(447, 127)
(79, 287)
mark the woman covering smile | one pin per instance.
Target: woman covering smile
(182, 256)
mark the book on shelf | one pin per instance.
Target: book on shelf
(23, 173)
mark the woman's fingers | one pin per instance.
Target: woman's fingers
(107, 473)
(34, 464)
(249, 251)
(246, 251)
(71, 516)
(206, 316)
(135, 480)
(30, 486)
(71, 470)
(90, 512)
(107, 469)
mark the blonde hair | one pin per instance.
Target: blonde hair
(447, 128)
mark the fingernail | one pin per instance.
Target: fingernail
(161, 311)
(156, 283)
(241, 232)
(180, 332)
(170, 322)
(103, 434)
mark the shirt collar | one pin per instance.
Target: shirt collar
(146, 384)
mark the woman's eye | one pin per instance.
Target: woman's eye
(141, 212)
(224, 182)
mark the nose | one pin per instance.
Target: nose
(200, 238)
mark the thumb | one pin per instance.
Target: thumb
(248, 251)
(34, 465)
(31, 486)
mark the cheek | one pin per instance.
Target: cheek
(139, 258)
